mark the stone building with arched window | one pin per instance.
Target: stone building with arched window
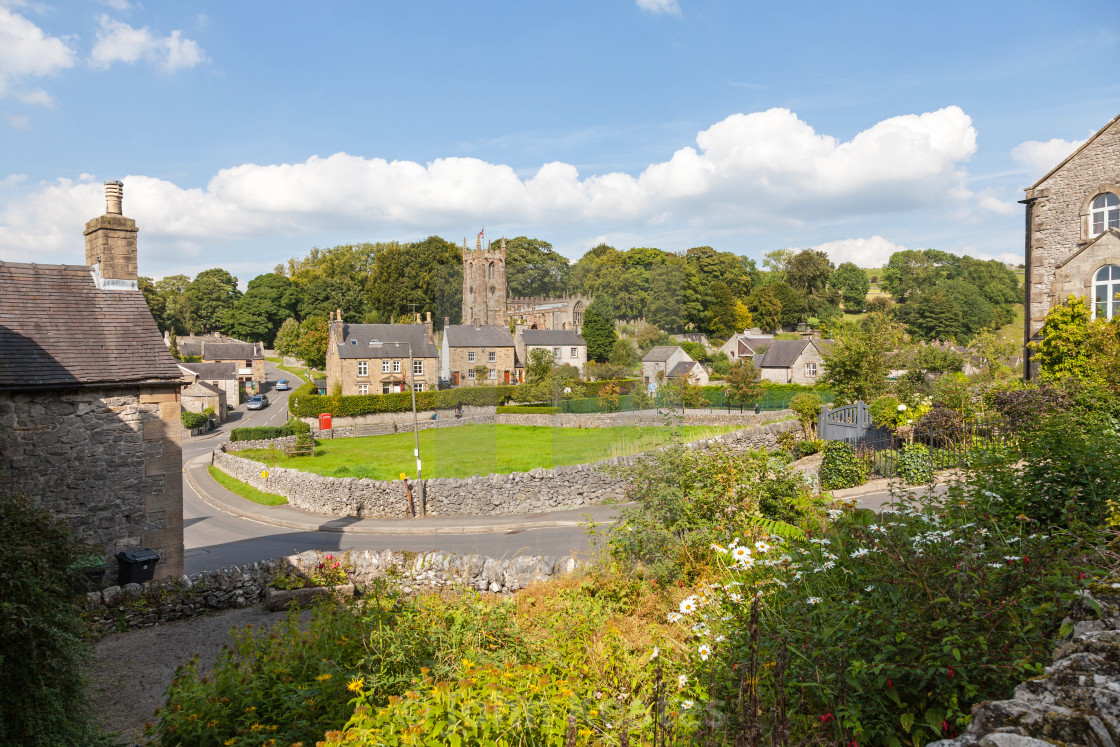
(1073, 233)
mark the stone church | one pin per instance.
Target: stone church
(1073, 232)
(486, 301)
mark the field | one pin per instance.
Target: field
(469, 450)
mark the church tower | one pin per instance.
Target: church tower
(484, 284)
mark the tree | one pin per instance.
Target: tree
(765, 308)
(539, 365)
(777, 261)
(1062, 349)
(993, 352)
(533, 268)
(156, 303)
(853, 285)
(793, 304)
(425, 276)
(907, 272)
(857, 364)
(172, 289)
(808, 271)
(744, 383)
(743, 318)
(313, 338)
(667, 296)
(599, 334)
(287, 339)
(722, 319)
(933, 315)
(624, 354)
(209, 299)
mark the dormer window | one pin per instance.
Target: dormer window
(1106, 292)
(353, 342)
(1104, 213)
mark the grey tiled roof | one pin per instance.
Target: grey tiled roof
(681, 370)
(782, 353)
(486, 336)
(58, 329)
(356, 339)
(229, 351)
(201, 389)
(660, 353)
(546, 337)
(214, 371)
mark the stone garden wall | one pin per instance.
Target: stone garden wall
(516, 493)
(269, 443)
(403, 419)
(154, 602)
(643, 418)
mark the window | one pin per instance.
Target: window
(470, 357)
(385, 389)
(492, 356)
(363, 388)
(493, 373)
(575, 353)
(577, 314)
(470, 373)
(418, 368)
(1105, 213)
(419, 386)
(396, 366)
(811, 370)
(384, 366)
(363, 368)
(556, 353)
(1106, 292)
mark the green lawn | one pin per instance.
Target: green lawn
(244, 490)
(469, 450)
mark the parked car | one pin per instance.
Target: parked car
(282, 385)
(257, 402)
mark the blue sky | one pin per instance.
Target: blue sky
(248, 132)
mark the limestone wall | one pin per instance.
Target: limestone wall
(144, 605)
(516, 493)
(641, 418)
(107, 461)
(404, 418)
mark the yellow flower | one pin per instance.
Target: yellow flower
(231, 740)
(468, 664)
(257, 727)
(324, 677)
(355, 685)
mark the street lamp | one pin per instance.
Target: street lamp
(415, 428)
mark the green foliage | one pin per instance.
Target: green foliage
(42, 644)
(696, 351)
(527, 410)
(193, 419)
(599, 334)
(1063, 349)
(794, 309)
(258, 315)
(534, 268)
(539, 365)
(428, 274)
(208, 301)
(852, 284)
(744, 382)
(915, 464)
(313, 336)
(287, 338)
(885, 412)
(807, 407)
(305, 404)
(808, 447)
(841, 468)
(765, 308)
(624, 354)
(856, 366)
(266, 432)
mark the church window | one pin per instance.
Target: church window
(577, 314)
(1106, 292)
(1105, 213)
(491, 274)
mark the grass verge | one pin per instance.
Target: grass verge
(246, 491)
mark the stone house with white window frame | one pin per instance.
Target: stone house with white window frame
(671, 362)
(467, 347)
(375, 358)
(1073, 234)
(567, 347)
(792, 361)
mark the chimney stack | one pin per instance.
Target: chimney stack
(111, 243)
(429, 331)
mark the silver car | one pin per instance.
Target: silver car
(257, 402)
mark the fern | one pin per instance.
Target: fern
(779, 528)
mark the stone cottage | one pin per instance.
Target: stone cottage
(89, 397)
(1073, 233)
(566, 346)
(381, 358)
(466, 348)
(671, 362)
(792, 361)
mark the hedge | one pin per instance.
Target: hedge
(528, 410)
(193, 420)
(267, 432)
(304, 403)
(625, 386)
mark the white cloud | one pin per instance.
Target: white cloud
(118, 4)
(872, 252)
(119, 42)
(1039, 157)
(746, 174)
(660, 6)
(18, 121)
(25, 51)
(993, 204)
(38, 97)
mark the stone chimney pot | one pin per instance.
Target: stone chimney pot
(114, 196)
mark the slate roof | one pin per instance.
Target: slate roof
(485, 336)
(660, 353)
(211, 370)
(230, 351)
(681, 370)
(57, 328)
(548, 337)
(201, 389)
(190, 348)
(356, 340)
(750, 345)
(782, 353)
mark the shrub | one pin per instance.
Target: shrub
(293, 427)
(528, 410)
(941, 426)
(841, 468)
(306, 404)
(808, 447)
(885, 412)
(807, 407)
(915, 465)
(193, 420)
(42, 644)
(1023, 407)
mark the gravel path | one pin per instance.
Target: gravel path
(131, 671)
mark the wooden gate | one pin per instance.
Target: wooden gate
(850, 423)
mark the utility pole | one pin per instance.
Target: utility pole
(415, 430)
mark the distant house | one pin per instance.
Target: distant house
(381, 358)
(566, 346)
(467, 347)
(89, 397)
(219, 375)
(671, 362)
(200, 396)
(792, 361)
(745, 345)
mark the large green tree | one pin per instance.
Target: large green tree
(287, 339)
(425, 276)
(793, 304)
(932, 315)
(269, 300)
(722, 318)
(534, 268)
(313, 338)
(156, 303)
(599, 334)
(852, 284)
(765, 308)
(209, 299)
(808, 271)
(857, 363)
(173, 289)
(744, 383)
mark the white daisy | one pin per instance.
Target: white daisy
(705, 651)
(814, 600)
(675, 617)
(686, 704)
(860, 552)
(719, 549)
(682, 680)
(762, 546)
(688, 606)
(869, 588)
(655, 653)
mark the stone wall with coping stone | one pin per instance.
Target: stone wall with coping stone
(155, 602)
(640, 418)
(541, 489)
(359, 430)
(405, 418)
(265, 443)
(107, 461)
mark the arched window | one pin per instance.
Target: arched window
(577, 314)
(492, 265)
(1106, 292)
(1105, 213)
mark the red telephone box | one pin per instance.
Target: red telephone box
(324, 421)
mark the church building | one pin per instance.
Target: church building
(1073, 233)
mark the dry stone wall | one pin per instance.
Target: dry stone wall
(154, 602)
(487, 495)
(642, 418)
